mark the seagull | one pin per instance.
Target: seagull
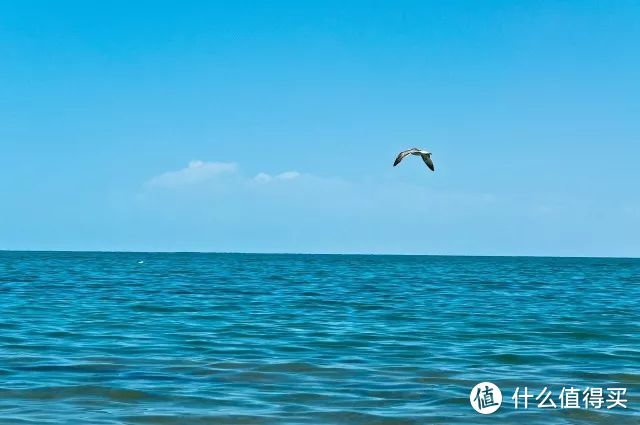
(426, 157)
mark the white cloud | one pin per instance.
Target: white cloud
(195, 172)
(201, 172)
(288, 175)
(262, 178)
(266, 178)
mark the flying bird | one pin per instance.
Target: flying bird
(426, 157)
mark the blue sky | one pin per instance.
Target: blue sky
(272, 126)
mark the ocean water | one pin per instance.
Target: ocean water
(99, 338)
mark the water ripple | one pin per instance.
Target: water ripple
(97, 338)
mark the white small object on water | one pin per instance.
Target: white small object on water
(140, 262)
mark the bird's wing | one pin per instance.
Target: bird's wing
(427, 160)
(402, 154)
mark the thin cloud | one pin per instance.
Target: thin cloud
(288, 175)
(196, 172)
(264, 178)
(201, 172)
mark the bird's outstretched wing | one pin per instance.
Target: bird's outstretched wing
(402, 154)
(427, 160)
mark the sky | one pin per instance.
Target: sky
(272, 126)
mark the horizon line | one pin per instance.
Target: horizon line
(315, 253)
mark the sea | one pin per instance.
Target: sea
(197, 338)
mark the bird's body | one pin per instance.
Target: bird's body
(425, 155)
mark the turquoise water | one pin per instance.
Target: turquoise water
(97, 338)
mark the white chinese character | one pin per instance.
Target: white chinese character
(615, 397)
(593, 397)
(547, 401)
(525, 396)
(569, 398)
